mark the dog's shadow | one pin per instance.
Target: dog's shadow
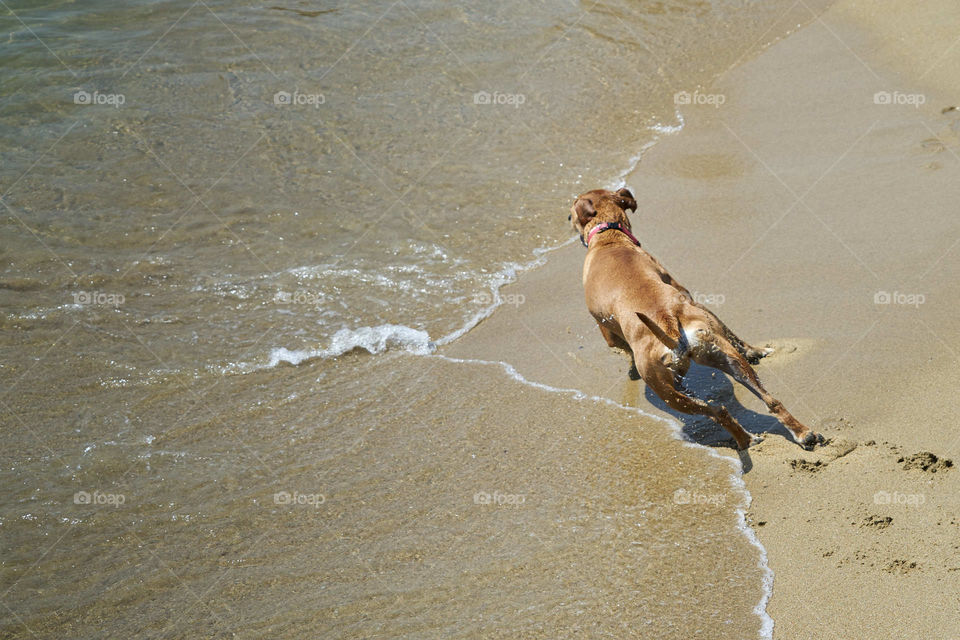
(716, 388)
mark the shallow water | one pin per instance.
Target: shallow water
(312, 507)
(178, 229)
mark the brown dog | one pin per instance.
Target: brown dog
(641, 309)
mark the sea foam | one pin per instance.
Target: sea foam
(375, 340)
(396, 337)
(669, 129)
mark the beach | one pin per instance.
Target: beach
(295, 342)
(819, 220)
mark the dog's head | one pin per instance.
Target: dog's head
(601, 205)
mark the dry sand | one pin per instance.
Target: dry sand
(799, 208)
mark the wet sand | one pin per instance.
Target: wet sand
(820, 218)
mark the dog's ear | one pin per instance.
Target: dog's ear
(626, 200)
(585, 210)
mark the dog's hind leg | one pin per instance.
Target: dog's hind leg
(717, 352)
(751, 353)
(665, 383)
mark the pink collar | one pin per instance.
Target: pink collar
(604, 226)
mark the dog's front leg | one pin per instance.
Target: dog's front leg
(615, 341)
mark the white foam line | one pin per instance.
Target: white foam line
(662, 129)
(621, 180)
(508, 275)
(766, 622)
(736, 478)
(575, 393)
(670, 129)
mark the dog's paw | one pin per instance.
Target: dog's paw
(810, 440)
(747, 440)
(633, 374)
(754, 355)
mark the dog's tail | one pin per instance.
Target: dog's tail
(680, 346)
